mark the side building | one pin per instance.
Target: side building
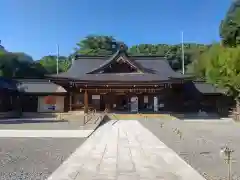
(41, 95)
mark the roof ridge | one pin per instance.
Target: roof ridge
(119, 53)
(130, 56)
(91, 57)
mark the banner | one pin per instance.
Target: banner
(50, 102)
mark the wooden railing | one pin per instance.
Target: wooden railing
(92, 114)
(101, 116)
(89, 115)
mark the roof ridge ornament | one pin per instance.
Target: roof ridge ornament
(122, 47)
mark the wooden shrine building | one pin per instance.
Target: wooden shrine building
(130, 83)
(9, 96)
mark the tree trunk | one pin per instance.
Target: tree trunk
(237, 111)
(238, 106)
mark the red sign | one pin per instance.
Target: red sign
(50, 100)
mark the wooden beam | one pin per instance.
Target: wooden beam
(86, 101)
(124, 90)
(129, 85)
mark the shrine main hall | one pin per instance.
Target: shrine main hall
(122, 82)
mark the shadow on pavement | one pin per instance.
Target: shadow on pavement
(31, 121)
(105, 120)
(197, 116)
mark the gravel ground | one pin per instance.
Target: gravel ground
(33, 158)
(201, 144)
(40, 125)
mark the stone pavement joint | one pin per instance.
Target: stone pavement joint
(125, 150)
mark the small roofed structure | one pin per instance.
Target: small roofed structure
(206, 97)
(39, 86)
(36, 94)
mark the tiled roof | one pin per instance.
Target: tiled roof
(81, 67)
(39, 86)
(158, 65)
(207, 88)
(154, 68)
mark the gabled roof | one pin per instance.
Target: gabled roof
(120, 54)
(152, 68)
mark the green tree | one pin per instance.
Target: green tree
(173, 53)
(222, 68)
(50, 63)
(2, 50)
(23, 57)
(97, 45)
(230, 26)
(12, 67)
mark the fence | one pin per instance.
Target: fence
(89, 116)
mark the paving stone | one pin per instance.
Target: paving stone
(33, 158)
(106, 176)
(117, 152)
(127, 177)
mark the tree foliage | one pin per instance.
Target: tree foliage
(16, 64)
(173, 53)
(107, 45)
(230, 26)
(13, 65)
(50, 63)
(222, 68)
(97, 45)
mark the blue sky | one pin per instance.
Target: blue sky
(36, 26)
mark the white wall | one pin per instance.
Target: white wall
(43, 107)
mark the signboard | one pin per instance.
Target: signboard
(95, 96)
(145, 100)
(155, 105)
(134, 104)
(51, 107)
(50, 102)
(161, 105)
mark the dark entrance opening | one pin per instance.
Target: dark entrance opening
(29, 103)
(122, 103)
(102, 102)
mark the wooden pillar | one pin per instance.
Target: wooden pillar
(140, 102)
(85, 101)
(70, 101)
(107, 101)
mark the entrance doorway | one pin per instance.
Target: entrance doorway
(134, 104)
(103, 102)
(121, 103)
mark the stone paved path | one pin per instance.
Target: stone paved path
(124, 151)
